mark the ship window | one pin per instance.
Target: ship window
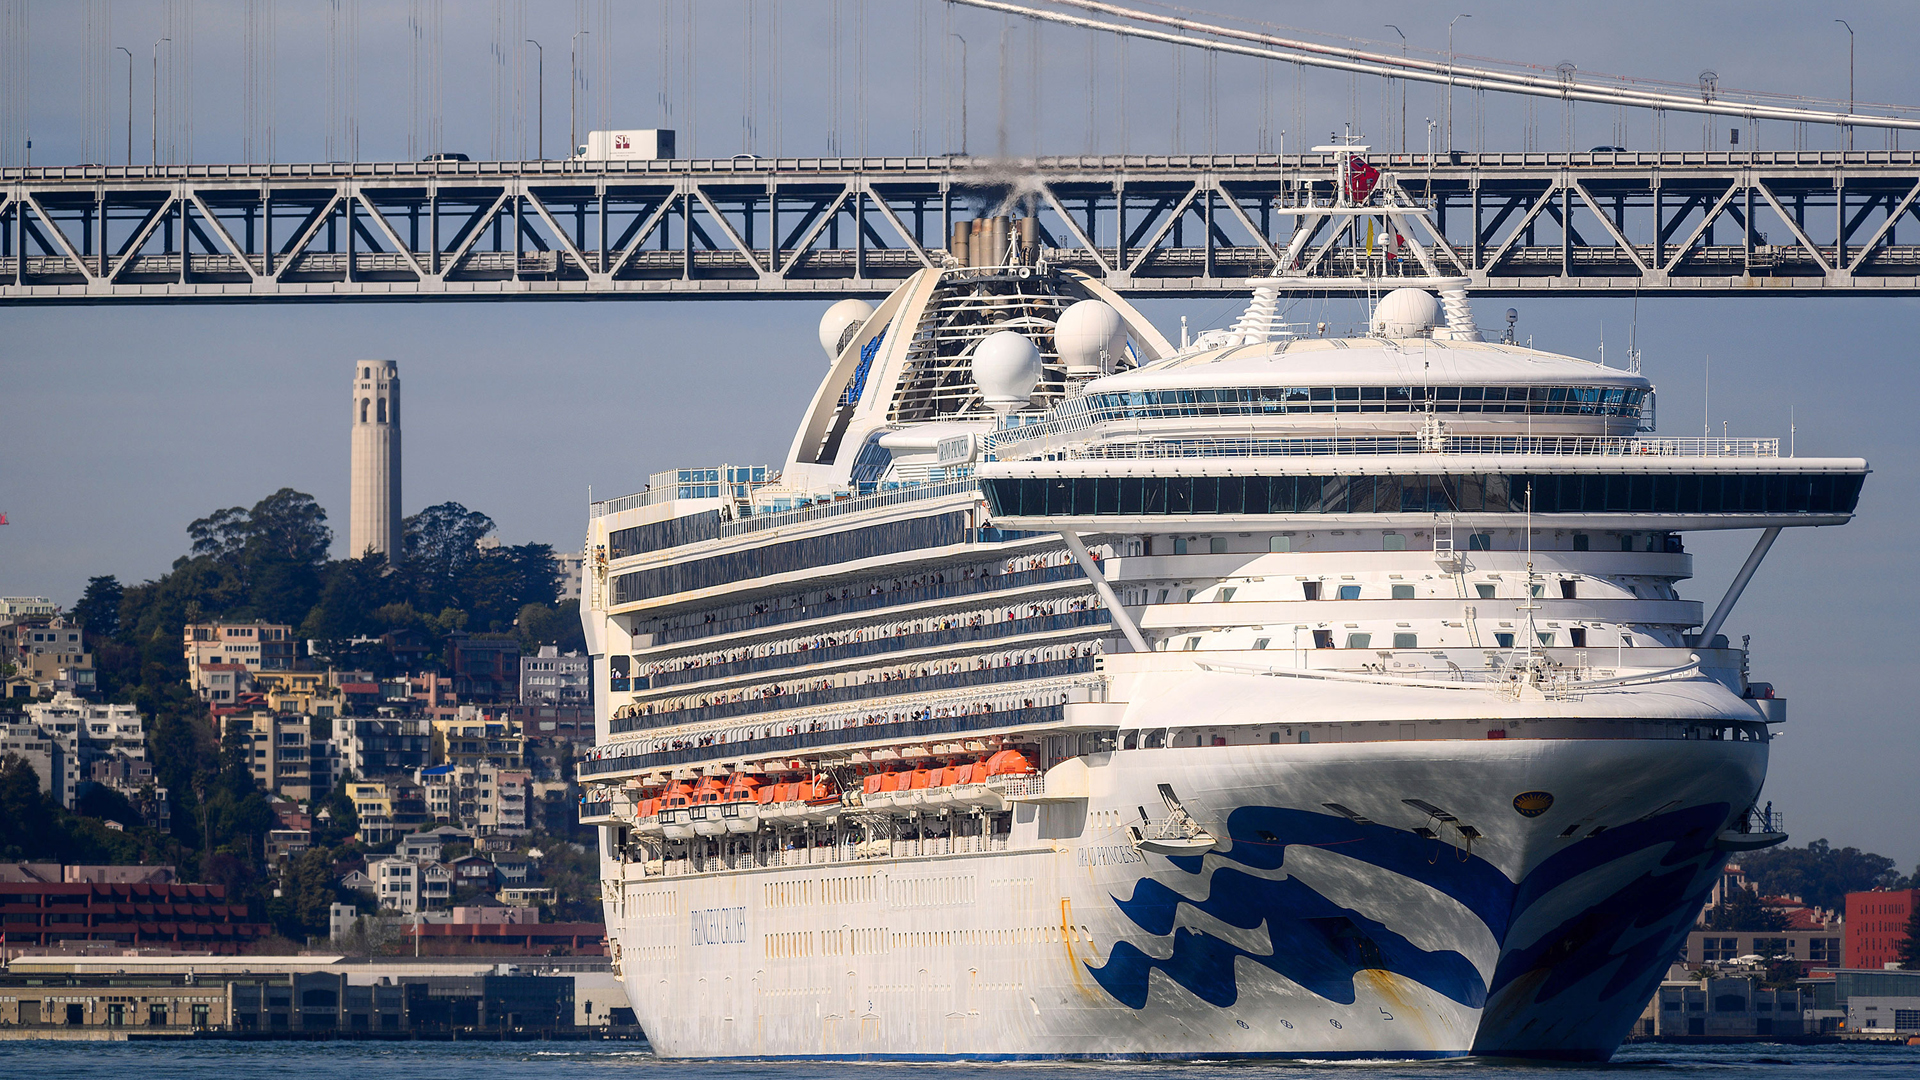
(1403, 592)
(1190, 594)
(1260, 642)
(1504, 641)
(1569, 589)
(1193, 643)
(1349, 592)
(1480, 542)
(1485, 590)
(1582, 542)
(1359, 641)
(1279, 543)
(1217, 545)
(1546, 637)
(1406, 641)
(1311, 589)
(1578, 636)
(1306, 736)
(1225, 595)
(1323, 639)
(1179, 545)
(1626, 541)
(1394, 542)
(1163, 595)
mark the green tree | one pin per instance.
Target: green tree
(99, 608)
(442, 543)
(1820, 874)
(26, 815)
(1742, 912)
(1910, 946)
(307, 895)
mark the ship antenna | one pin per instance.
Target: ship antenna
(1530, 606)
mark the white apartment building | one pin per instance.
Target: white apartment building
(85, 732)
(551, 679)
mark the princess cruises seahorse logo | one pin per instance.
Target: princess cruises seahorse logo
(1321, 945)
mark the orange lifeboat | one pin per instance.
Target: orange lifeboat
(676, 812)
(936, 796)
(646, 817)
(912, 792)
(708, 794)
(822, 798)
(740, 809)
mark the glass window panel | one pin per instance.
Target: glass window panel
(1179, 495)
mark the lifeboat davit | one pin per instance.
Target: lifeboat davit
(821, 799)
(989, 782)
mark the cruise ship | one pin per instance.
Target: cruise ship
(1068, 692)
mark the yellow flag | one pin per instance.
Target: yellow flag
(1369, 237)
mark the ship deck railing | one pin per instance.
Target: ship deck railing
(859, 505)
(957, 589)
(1385, 445)
(813, 742)
(890, 688)
(958, 635)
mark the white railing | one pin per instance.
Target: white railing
(1480, 445)
(910, 493)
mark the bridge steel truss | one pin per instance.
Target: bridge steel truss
(1599, 223)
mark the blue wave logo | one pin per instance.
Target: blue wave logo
(1322, 946)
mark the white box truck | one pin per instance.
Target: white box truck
(647, 144)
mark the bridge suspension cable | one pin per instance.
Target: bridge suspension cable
(1446, 72)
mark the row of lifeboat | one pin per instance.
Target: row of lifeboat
(742, 802)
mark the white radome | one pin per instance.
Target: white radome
(1006, 368)
(1405, 313)
(839, 321)
(1084, 331)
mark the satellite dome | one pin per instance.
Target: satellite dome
(1085, 331)
(839, 323)
(1405, 313)
(1006, 368)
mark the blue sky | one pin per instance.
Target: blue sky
(122, 424)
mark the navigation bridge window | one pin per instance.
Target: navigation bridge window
(1249, 400)
(1571, 493)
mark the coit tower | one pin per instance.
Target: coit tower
(374, 524)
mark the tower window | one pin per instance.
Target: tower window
(363, 410)
(383, 410)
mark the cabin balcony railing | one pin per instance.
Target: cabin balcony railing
(1454, 445)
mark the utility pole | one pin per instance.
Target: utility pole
(1450, 77)
(129, 53)
(573, 98)
(1403, 87)
(963, 92)
(1849, 127)
(156, 97)
(540, 80)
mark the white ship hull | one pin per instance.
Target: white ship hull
(1304, 933)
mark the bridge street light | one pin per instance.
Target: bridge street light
(1450, 22)
(1848, 128)
(573, 97)
(1403, 87)
(963, 92)
(540, 95)
(156, 97)
(129, 53)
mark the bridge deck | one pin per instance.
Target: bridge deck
(1694, 223)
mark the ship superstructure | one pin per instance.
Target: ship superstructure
(1067, 693)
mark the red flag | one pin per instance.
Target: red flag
(1362, 178)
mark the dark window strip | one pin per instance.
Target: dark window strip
(1553, 493)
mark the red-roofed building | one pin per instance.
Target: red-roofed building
(196, 917)
(1877, 926)
(511, 939)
